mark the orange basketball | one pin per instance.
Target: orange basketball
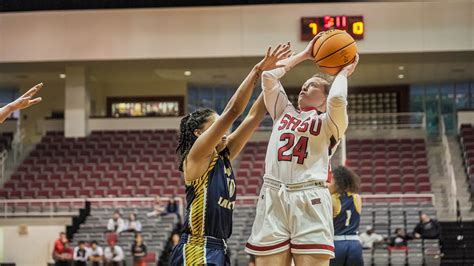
(334, 50)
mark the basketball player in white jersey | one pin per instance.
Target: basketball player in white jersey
(294, 211)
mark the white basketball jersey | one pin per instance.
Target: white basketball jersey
(300, 147)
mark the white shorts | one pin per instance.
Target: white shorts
(298, 218)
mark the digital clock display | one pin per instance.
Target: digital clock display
(354, 25)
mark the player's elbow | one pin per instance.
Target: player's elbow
(269, 80)
(234, 111)
(337, 101)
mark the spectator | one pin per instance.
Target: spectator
(427, 228)
(138, 251)
(172, 242)
(61, 253)
(159, 209)
(80, 254)
(172, 206)
(95, 254)
(116, 223)
(133, 225)
(400, 240)
(369, 238)
(113, 255)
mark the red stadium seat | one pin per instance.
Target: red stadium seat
(409, 178)
(252, 190)
(366, 179)
(424, 188)
(181, 190)
(395, 188)
(366, 189)
(380, 188)
(380, 179)
(423, 178)
(169, 191)
(409, 188)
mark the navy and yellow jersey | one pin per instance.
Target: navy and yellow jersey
(211, 200)
(346, 216)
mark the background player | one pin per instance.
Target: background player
(347, 207)
(205, 161)
(294, 209)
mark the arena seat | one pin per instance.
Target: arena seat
(105, 164)
(155, 230)
(385, 164)
(467, 144)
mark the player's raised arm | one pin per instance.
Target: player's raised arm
(25, 101)
(337, 102)
(274, 94)
(242, 134)
(204, 146)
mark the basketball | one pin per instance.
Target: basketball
(334, 50)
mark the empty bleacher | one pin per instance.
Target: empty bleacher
(105, 164)
(385, 164)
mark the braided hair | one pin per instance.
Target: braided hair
(188, 125)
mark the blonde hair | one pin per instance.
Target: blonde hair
(325, 81)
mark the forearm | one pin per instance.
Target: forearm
(337, 106)
(241, 97)
(257, 111)
(242, 134)
(271, 79)
(5, 112)
(290, 62)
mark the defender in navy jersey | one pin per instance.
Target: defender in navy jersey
(347, 207)
(206, 153)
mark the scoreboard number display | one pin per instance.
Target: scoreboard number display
(354, 25)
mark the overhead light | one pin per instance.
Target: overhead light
(401, 76)
(62, 76)
(401, 68)
(187, 73)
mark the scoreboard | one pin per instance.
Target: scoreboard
(354, 25)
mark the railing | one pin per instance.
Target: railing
(409, 197)
(387, 121)
(3, 158)
(17, 144)
(448, 167)
(374, 121)
(124, 202)
(10, 205)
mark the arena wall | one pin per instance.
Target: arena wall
(234, 31)
(34, 248)
(465, 117)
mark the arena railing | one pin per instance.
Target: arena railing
(49, 206)
(374, 121)
(448, 168)
(387, 121)
(409, 197)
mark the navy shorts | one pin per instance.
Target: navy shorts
(348, 253)
(197, 250)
